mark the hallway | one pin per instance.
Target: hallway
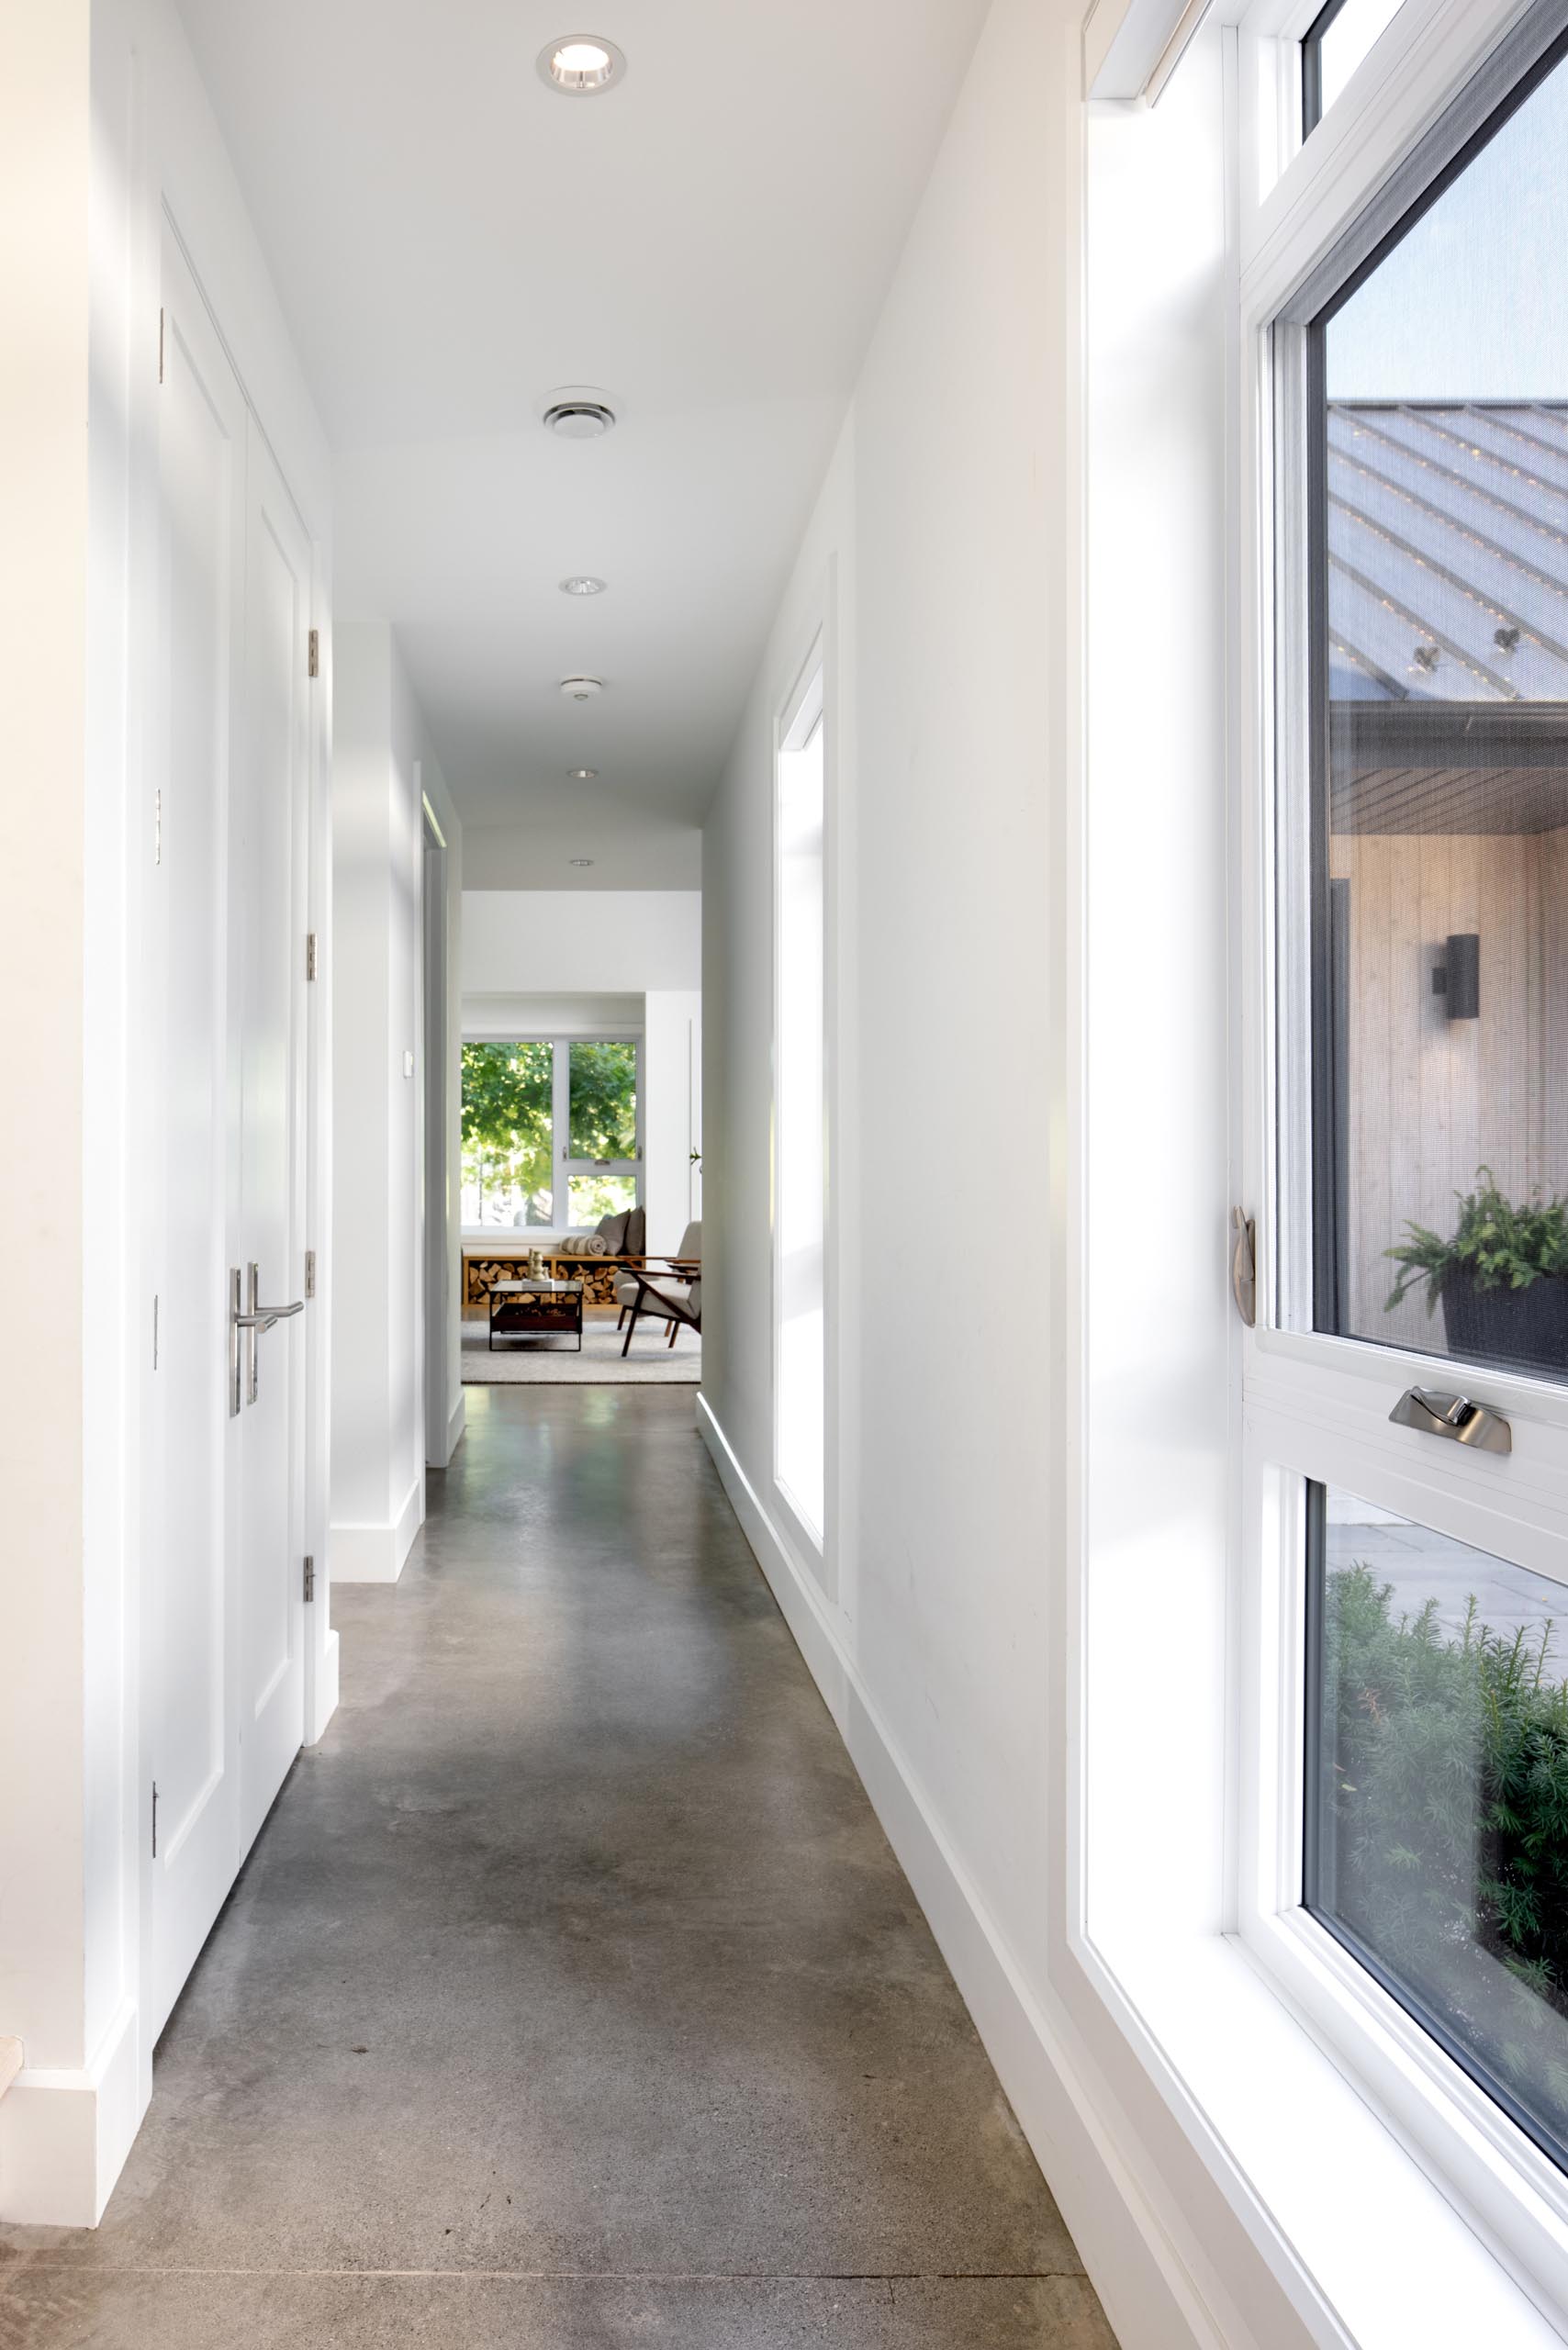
(572, 1993)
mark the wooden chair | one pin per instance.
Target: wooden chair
(660, 1294)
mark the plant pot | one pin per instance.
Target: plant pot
(1526, 1326)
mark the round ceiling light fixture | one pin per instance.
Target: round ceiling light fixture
(583, 583)
(582, 775)
(582, 860)
(581, 64)
(579, 419)
(581, 688)
(579, 411)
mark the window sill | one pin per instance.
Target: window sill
(1371, 2249)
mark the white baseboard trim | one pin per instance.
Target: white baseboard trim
(1150, 2295)
(456, 1428)
(378, 1553)
(64, 2135)
(326, 1689)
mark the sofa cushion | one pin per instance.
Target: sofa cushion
(612, 1231)
(637, 1233)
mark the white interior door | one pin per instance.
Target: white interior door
(202, 433)
(224, 1664)
(268, 882)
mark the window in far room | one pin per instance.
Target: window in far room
(603, 1161)
(551, 1131)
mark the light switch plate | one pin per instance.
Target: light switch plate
(407, 1064)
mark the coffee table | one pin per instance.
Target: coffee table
(535, 1309)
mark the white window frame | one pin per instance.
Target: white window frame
(1316, 1406)
(803, 710)
(564, 1166)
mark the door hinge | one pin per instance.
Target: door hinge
(155, 1819)
(1243, 1266)
(313, 658)
(158, 827)
(312, 960)
(310, 1273)
(310, 1580)
(161, 317)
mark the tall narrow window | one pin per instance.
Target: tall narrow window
(800, 1139)
(1439, 397)
(1421, 1102)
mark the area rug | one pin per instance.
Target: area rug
(552, 1363)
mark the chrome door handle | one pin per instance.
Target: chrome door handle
(1435, 1412)
(248, 1318)
(265, 1315)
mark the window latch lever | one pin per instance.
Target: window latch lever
(1436, 1414)
(1244, 1266)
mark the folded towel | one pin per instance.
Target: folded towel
(583, 1244)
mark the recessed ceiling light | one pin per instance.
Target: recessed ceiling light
(582, 775)
(582, 860)
(581, 688)
(579, 419)
(581, 64)
(582, 583)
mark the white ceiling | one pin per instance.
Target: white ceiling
(708, 241)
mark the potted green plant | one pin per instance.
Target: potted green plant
(1502, 1276)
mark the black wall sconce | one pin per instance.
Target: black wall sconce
(1458, 981)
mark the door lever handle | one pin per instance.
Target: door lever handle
(248, 1316)
(264, 1317)
(1435, 1412)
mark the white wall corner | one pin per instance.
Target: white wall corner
(64, 2135)
(325, 1704)
(378, 1553)
(456, 1428)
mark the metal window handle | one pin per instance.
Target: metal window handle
(1435, 1412)
(1244, 1266)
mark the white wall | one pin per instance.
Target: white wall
(557, 962)
(384, 761)
(96, 146)
(588, 942)
(944, 560)
(47, 1806)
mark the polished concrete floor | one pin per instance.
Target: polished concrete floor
(572, 1994)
